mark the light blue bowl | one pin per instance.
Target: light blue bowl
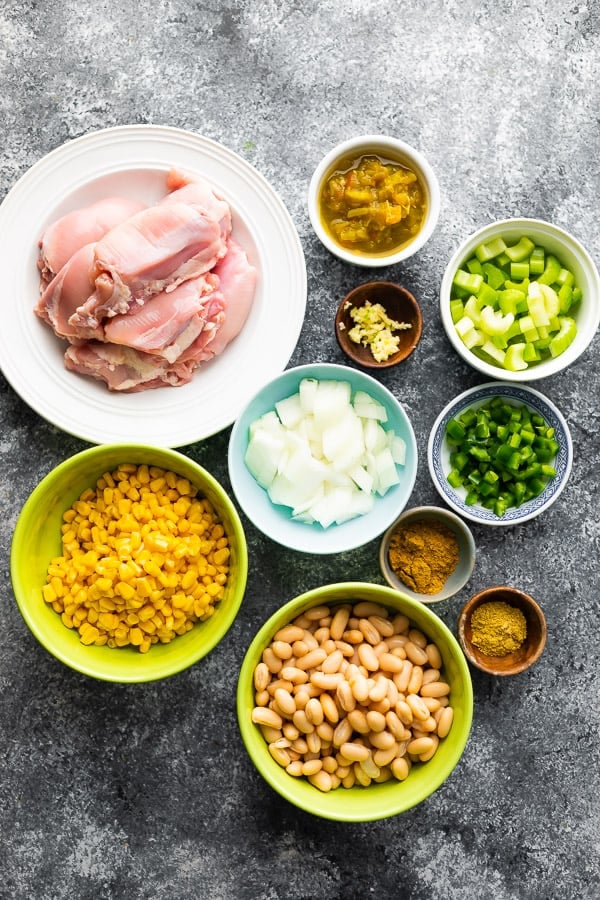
(276, 521)
(438, 452)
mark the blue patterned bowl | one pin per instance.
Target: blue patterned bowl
(438, 452)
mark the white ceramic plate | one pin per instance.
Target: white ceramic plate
(438, 452)
(133, 160)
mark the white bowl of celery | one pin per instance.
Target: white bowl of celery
(520, 299)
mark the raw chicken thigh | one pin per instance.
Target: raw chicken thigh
(68, 234)
(150, 299)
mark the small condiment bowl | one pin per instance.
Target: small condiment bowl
(388, 148)
(518, 660)
(399, 305)
(466, 552)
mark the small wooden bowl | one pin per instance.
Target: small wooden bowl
(398, 303)
(529, 651)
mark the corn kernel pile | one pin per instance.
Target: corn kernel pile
(143, 559)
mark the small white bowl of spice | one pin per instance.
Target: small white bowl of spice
(378, 324)
(428, 553)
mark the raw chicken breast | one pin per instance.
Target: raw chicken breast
(196, 191)
(83, 226)
(169, 322)
(152, 251)
(66, 292)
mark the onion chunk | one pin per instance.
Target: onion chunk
(325, 453)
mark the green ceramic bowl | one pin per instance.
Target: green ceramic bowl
(378, 801)
(36, 541)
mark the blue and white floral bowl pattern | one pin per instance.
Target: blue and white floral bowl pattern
(438, 452)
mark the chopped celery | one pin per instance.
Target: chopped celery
(521, 250)
(514, 293)
(486, 252)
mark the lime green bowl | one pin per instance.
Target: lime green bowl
(37, 539)
(377, 801)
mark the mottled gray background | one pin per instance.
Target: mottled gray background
(109, 791)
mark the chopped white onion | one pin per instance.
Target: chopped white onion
(325, 453)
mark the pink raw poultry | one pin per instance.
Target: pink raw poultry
(71, 232)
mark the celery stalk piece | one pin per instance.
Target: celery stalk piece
(494, 276)
(565, 337)
(521, 250)
(565, 298)
(551, 270)
(494, 322)
(551, 301)
(464, 326)
(487, 251)
(519, 270)
(468, 281)
(565, 276)
(496, 354)
(457, 310)
(513, 360)
(537, 262)
(473, 338)
(474, 266)
(473, 310)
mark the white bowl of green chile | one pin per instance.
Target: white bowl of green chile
(502, 630)
(373, 200)
(500, 453)
(520, 299)
(428, 553)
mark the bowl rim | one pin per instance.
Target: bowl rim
(522, 393)
(92, 665)
(396, 358)
(271, 772)
(301, 543)
(432, 512)
(484, 595)
(428, 177)
(573, 247)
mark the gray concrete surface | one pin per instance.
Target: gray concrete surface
(109, 791)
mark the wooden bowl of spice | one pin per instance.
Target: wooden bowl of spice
(502, 630)
(428, 553)
(378, 324)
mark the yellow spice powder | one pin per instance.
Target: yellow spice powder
(498, 628)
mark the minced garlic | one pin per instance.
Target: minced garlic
(374, 329)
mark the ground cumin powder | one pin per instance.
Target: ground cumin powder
(498, 628)
(423, 554)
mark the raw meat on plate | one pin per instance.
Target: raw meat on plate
(71, 232)
(157, 295)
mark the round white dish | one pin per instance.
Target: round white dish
(383, 144)
(133, 160)
(276, 521)
(438, 453)
(573, 254)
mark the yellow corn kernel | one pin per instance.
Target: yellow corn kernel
(67, 620)
(125, 590)
(108, 621)
(136, 636)
(48, 593)
(58, 586)
(214, 590)
(146, 613)
(221, 556)
(89, 634)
